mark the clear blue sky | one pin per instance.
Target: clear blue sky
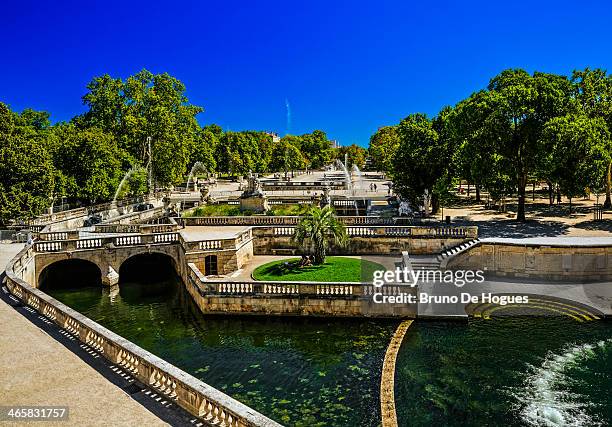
(344, 67)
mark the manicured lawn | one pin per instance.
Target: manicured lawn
(288, 209)
(216, 210)
(335, 269)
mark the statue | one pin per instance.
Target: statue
(204, 193)
(325, 197)
(404, 208)
(254, 187)
(253, 198)
(426, 202)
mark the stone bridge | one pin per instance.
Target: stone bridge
(109, 253)
(109, 259)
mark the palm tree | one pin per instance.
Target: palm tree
(316, 228)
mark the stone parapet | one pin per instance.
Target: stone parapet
(588, 262)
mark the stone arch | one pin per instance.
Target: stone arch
(45, 260)
(70, 272)
(154, 257)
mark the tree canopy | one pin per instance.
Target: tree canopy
(521, 127)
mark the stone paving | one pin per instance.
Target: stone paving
(201, 232)
(36, 370)
(597, 295)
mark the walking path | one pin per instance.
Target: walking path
(36, 370)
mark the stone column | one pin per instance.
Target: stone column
(111, 278)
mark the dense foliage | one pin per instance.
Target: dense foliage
(523, 127)
(83, 161)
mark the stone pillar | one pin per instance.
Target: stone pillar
(111, 278)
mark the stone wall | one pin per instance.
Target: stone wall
(268, 244)
(538, 261)
(228, 260)
(297, 299)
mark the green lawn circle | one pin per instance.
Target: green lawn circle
(335, 269)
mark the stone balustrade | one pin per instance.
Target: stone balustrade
(344, 299)
(99, 242)
(208, 404)
(294, 220)
(382, 231)
(59, 235)
(44, 219)
(135, 228)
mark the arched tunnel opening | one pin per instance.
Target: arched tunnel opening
(148, 277)
(70, 274)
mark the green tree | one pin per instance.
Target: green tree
(204, 148)
(91, 162)
(580, 151)
(286, 157)
(419, 161)
(146, 105)
(356, 155)
(594, 92)
(521, 106)
(26, 168)
(315, 230)
(316, 148)
(474, 153)
(383, 145)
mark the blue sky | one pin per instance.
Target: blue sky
(344, 67)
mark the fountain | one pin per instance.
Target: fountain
(125, 179)
(197, 166)
(356, 173)
(347, 176)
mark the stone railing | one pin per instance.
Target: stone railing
(79, 212)
(270, 288)
(231, 243)
(136, 228)
(58, 235)
(69, 243)
(99, 242)
(287, 220)
(314, 186)
(208, 404)
(60, 216)
(135, 217)
(238, 220)
(462, 232)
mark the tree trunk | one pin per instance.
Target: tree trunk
(608, 203)
(435, 204)
(570, 206)
(468, 190)
(533, 191)
(522, 183)
(319, 252)
(551, 196)
(558, 194)
(477, 193)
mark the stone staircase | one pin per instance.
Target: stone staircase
(447, 254)
(425, 262)
(435, 262)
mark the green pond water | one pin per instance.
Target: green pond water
(308, 372)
